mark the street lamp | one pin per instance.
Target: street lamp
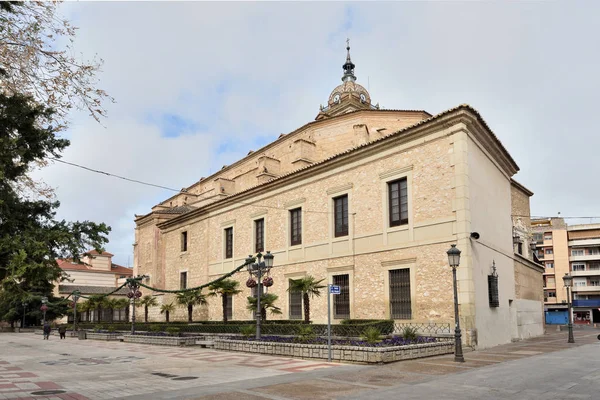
(134, 293)
(75, 298)
(24, 303)
(454, 261)
(44, 308)
(258, 269)
(568, 280)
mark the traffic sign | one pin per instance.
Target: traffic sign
(334, 289)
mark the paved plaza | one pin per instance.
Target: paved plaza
(545, 367)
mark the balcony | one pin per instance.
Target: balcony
(586, 303)
(587, 257)
(588, 272)
(586, 289)
(585, 243)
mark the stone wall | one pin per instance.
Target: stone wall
(370, 355)
(160, 340)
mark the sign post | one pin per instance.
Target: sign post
(331, 289)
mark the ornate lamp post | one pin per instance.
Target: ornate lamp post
(24, 303)
(134, 293)
(568, 280)
(44, 308)
(258, 269)
(75, 298)
(454, 261)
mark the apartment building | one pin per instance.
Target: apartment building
(571, 249)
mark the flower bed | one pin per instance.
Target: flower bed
(388, 342)
(346, 352)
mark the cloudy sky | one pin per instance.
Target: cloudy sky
(198, 85)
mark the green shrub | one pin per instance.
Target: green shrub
(155, 328)
(111, 328)
(172, 330)
(305, 333)
(247, 330)
(98, 327)
(409, 333)
(371, 335)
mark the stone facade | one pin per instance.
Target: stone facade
(458, 181)
(369, 355)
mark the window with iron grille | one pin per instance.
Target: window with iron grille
(295, 304)
(259, 235)
(400, 301)
(341, 215)
(229, 308)
(184, 238)
(183, 280)
(493, 291)
(341, 302)
(398, 202)
(296, 226)
(229, 242)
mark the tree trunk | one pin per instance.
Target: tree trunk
(146, 314)
(167, 316)
(224, 297)
(263, 313)
(306, 309)
(190, 310)
(99, 311)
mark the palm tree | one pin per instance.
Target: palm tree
(191, 299)
(111, 304)
(120, 304)
(224, 288)
(267, 302)
(96, 303)
(309, 288)
(166, 309)
(83, 307)
(147, 301)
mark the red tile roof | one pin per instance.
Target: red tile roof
(96, 253)
(69, 265)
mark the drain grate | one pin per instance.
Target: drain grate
(185, 378)
(47, 392)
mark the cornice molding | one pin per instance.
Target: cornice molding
(341, 188)
(396, 171)
(392, 263)
(227, 223)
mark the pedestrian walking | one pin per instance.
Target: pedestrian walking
(62, 330)
(47, 331)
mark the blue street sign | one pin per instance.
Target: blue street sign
(333, 289)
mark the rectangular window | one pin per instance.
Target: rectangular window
(594, 282)
(341, 215)
(229, 309)
(398, 202)
(295, 304)
(341, 302)
(578, 267)
(520, 248)
(548, 236)
(549, 265)
(577, 252)
(229, 242)
(594, 266)
(183, 280)
(551, 293)
(184, 242)
(538, 237)
(296, 226)
(549, 251)
(550, 281)
(400, 301)
(594, 251)
(493, 297)
(259, 235)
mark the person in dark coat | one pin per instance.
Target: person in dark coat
(62, 330)
(47, 331)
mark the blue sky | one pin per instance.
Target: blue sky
(197, 85)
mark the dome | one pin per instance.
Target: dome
(349, 87)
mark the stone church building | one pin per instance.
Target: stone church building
(369, 199)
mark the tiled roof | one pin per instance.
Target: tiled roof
(285, 136)
(64, 289)
(387, 137)
(95, 253)
(68, 265)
